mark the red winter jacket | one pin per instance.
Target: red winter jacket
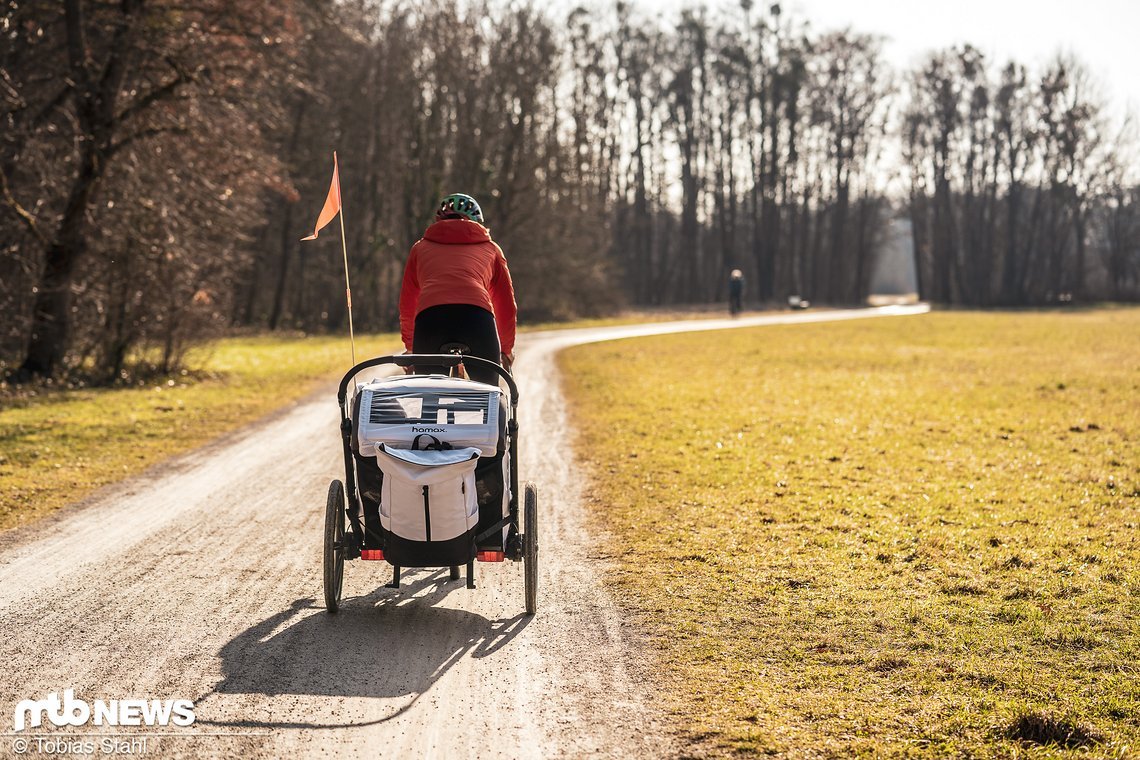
(457, 262)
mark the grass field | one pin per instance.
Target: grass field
(905, 537)
(57, 446)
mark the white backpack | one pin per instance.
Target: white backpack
(428, 495)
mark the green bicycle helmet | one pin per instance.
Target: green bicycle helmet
(458, 205)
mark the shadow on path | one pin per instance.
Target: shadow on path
(385, 644)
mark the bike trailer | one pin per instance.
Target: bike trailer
(431, 476)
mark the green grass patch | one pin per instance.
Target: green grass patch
(57, 446)
(912, 536)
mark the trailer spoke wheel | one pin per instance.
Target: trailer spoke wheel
(530, 547)
(334, 551)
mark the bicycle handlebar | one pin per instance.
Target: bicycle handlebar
(408, 360)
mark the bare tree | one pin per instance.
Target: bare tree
(122, 76)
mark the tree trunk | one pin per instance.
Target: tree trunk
(51, 316)
(95, 115)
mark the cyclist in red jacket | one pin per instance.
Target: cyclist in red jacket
(457, 288)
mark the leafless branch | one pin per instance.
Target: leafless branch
(21, 213)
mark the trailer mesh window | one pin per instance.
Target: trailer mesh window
(408, 408)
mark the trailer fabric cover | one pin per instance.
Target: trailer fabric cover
(393, 411)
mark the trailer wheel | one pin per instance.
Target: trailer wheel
(334, 551)
(530, 547)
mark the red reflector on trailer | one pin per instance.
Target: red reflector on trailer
(490, 556)
(372, 554)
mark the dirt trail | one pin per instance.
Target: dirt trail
(201, 580)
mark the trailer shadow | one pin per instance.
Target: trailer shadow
(384, 645)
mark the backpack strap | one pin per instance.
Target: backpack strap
(435, 445)
(493, 529)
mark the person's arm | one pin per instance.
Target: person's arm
(503, 302)
(409, 299)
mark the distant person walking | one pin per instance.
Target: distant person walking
(735, 292)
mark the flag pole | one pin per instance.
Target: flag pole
(344, 249)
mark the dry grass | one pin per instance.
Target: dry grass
(57, 446)
(916, 536)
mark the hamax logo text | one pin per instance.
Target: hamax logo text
(116, 712)
(417, 429)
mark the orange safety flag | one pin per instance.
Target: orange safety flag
(332, 203)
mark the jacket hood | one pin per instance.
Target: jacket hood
(457, 232)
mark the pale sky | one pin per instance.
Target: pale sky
(1105, 34)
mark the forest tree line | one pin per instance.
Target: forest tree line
(161, 159)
